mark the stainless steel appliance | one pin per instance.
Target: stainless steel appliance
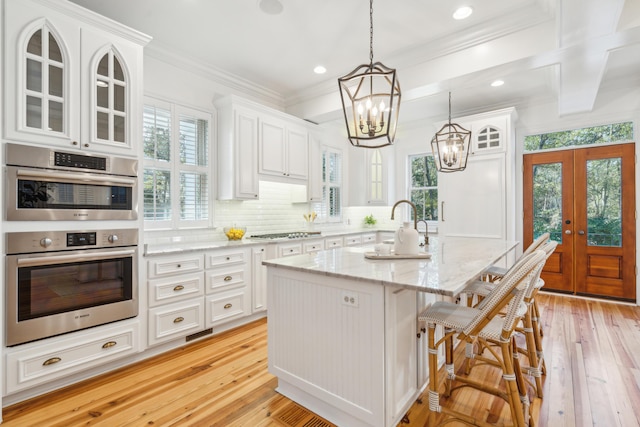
(45, 184)
(64, 281)
(289, 235)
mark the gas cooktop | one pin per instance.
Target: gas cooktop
(290, 235)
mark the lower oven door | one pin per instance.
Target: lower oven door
(55, 293)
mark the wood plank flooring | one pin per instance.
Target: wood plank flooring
(592, 351)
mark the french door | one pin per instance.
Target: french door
(585, 198)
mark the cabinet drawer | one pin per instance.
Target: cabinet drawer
(54, 358)
(369, 238)
(221, 279)
(353, 240)
(173, 289)
(289, 249)
(223, 258)
(313, 246)
(175, 320)
(175, 265)
(333, 242)
(226, 306)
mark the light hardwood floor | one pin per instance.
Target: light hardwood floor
(592, 351)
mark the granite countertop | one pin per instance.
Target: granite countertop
(177, 245)
(454, 263)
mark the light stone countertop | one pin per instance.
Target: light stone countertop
(178, 245)
(455, 262)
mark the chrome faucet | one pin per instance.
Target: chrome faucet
(426, 232)
(415, 212)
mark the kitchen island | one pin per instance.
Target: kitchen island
(342, 328)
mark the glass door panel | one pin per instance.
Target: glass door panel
(547, 200)
(604, 202)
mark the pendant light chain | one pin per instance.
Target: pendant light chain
(449, 107)
(370, 31)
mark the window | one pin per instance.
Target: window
(330, 209)
(586, 136)
(376, 176)
(176, 166)
(424, 186)
(489, 137)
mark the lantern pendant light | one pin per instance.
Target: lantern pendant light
(451, 146)
(370, 101)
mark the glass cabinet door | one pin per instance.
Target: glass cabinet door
(44, 83)
(110, 100)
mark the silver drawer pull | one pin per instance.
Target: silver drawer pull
(51, 361)
(228, 278)
(228, 306)
(178, 320)
(109, 344)
(178, 288)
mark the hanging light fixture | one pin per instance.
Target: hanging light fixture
(370, 100)
(450, 146)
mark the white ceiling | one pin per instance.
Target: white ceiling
(564, 51)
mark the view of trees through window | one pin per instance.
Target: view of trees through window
(424, 186)
(577, 137)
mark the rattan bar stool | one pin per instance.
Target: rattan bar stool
(530, 328)
(483, 324)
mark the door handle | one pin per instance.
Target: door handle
(442, 211)
(567, 232)
(581, 232)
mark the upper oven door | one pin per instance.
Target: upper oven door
(53, 195)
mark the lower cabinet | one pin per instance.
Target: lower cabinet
(36, 363)
(176, 320)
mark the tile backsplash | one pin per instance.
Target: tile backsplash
(278, 209)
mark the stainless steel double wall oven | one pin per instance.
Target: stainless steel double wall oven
(64, 281)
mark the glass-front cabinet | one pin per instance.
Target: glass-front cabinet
(73, 83)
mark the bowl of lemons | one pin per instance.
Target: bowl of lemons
(235, 233)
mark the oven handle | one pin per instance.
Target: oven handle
(64, 259)
(74, 178)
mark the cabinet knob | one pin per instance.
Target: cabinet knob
(178, 320)
(86, 145)
(178, 288)
(179, 266)
(51, 361)
(109, 344)
(228, 258)
(226, 306)
(74, 142)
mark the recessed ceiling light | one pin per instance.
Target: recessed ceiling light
(463, 12)
(319, 70)
(497, 83)
(270, 7)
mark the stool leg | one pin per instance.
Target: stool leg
(434, 396)
(532, 350)
(509, 376)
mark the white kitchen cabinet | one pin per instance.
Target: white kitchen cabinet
(171, 321)
(288, 249)
(312, 246)
(333, 242)
(369, 238)
(36, 363)
(237, 151)
(227, 294)
(258, 279)
(353, 240)
(369, 169)
(76, 79)
(175, 286)
(283, 149)
(480, 201)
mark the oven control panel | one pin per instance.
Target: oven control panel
(51, 241)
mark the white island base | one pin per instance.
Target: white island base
(345, 349)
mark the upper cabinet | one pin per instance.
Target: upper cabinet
(237, 151)
(370, 180)
(480, 201)
(75, 79)
(257, 143)
(283, 149)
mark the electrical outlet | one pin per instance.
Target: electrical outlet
(349, 298)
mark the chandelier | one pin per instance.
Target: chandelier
(370, 100)
(450, 146)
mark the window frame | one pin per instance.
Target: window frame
(176, 168)
(411, 188)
